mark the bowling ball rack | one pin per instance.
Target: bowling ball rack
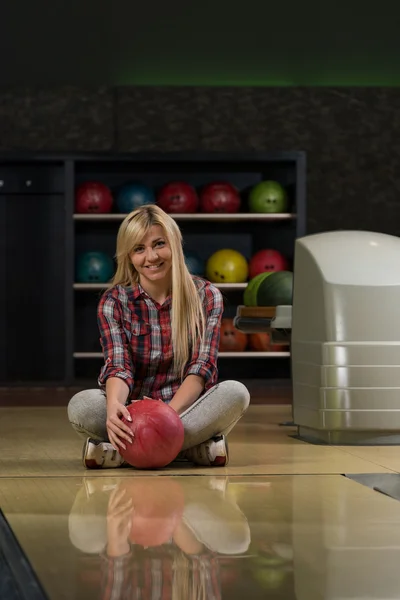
(275, 320)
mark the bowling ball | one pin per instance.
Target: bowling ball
(268, 197)
(275, 290)
(94, 267)
(157, 435)
(267, 260)
(261, 342)
(194, 263)
(219, 197)
(250, 293)
(227, 266)
(270, 578)
(93, 197)
(157, 508)
(231, 339)
(132, 196)
(178, 197)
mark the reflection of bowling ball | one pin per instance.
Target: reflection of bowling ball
(268, 197)
(194, 263)
(231, 339)
(157, 435)
(93, 197)
(178, 197)
(227, 266)
(270, 578)
(270, 571)
(134, 195)
(267, 260)
(219, 198)
(94, 267)
(157, 508)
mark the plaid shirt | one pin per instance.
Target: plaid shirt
(135, 335)
(149, 575)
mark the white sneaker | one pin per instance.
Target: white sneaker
(101, 455)
(212, 453)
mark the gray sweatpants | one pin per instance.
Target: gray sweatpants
(215, 412)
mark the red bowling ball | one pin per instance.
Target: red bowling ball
(157, 435)
(219, 197)
(178, 197)
(93, 197)
(267, 260)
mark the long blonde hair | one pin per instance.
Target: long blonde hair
(187, 314)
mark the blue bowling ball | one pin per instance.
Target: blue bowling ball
(195, 264)
(133, 195)
(94, 267)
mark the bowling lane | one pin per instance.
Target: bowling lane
(39, 442)
(386, 456)
(301, 537)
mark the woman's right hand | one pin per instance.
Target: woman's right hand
(118, 430)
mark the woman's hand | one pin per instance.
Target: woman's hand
(119, 522)
(118, 430)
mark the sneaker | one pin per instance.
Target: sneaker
(212, 453)
(100, 455)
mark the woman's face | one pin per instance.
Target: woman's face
(152, 257)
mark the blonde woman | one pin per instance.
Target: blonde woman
(159, 331)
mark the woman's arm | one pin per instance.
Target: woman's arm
(116, 376)
(188, 392)
(117, 358)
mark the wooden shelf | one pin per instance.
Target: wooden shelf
(103, 286)
(249, 354)
(196, 217)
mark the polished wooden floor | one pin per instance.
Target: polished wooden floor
(281, 521)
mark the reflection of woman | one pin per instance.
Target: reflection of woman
(159, 329)
(164, 538)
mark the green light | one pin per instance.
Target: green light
(242, 70)
(315, 79)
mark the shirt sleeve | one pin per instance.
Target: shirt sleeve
(117, 578)
(204, 359)
(115, 345)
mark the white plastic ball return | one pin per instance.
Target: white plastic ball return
(344, 334)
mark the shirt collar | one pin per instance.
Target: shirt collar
(138, 291)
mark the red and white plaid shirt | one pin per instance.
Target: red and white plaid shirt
(149, 575)
(135, 335)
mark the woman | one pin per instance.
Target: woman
(159, 331)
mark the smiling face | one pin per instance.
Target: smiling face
(152, 257)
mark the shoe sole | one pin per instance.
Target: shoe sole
(84, 450)
(88, 464)
(227, 451)
(218, 462)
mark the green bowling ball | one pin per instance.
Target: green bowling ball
(250, 293)
(268, 197)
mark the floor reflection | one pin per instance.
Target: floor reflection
(186, 538)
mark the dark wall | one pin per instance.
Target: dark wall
(204, 43)
(351, 135)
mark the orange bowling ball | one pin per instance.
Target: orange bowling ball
(231, 340)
